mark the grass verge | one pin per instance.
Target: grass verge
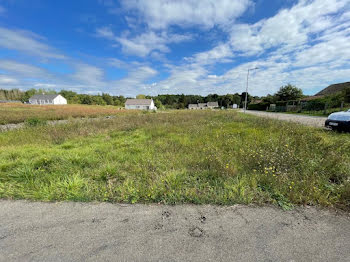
(216, 157)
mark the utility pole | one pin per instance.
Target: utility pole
(246, 91)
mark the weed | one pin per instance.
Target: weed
(217, 157)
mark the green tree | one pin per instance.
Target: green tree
(140, 96)
(289, 92)
(108, 99)
(347, 95)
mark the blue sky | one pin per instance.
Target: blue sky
(131, 47)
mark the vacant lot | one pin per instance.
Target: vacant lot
(17, 113)
(217, 157)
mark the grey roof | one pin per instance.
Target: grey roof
(192, 105)
(202, 104)
(44, 97)
(215, 104)
(138, 102)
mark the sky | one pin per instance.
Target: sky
(131, 47)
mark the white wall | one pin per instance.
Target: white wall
(40, 102)
(137, 107)
(141, 107)
(60, 100)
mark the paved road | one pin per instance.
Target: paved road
(114, 232)
(316, 121)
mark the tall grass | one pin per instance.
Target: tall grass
(178, 157)
(17, 113)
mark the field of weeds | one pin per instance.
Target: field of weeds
(212, 157)
(17, 113)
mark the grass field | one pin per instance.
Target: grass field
(17, 113)
(217, 157)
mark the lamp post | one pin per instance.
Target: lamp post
(246, 91)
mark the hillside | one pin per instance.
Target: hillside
(332, 89)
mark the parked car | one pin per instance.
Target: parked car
(339, 121)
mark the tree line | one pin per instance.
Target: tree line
(161, 101)
(285, 93)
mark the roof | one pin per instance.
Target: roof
(138, 102)
(202, 104)
(333, 89)
(215, 104)
(192, 105)
(44, 97)
(309, 98)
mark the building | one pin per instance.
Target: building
(192, 106)
(210, 105)
(47, 100)
(141, 104)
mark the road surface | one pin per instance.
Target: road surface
(36, 231)
(316, 121)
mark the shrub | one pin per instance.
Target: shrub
(35, 122)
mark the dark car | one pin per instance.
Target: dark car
(339, 121)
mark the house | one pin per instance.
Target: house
(212, 105)
(141, 104)
(43, 99)
(202, 106)
(192, 106)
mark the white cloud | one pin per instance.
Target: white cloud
(143, 44)
(13, 67)
(160, 14)
(89, 75)
(26, 42)
(6, 80)
(290, 27)
(134, 83)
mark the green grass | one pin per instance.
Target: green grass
(12, 113)
(216, 157)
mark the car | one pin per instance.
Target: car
(339, 121)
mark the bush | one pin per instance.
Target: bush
(260, 106)
(35, 122)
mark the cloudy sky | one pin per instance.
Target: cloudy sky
(131, 47)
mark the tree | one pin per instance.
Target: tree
(108, 99)
(140, 96)
(347, 95)
(289, 92)
(249, 99)
(158, 104)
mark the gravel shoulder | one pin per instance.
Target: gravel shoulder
(315, 121)
(66, 231)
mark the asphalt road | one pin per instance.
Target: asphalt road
(35, 231)
(316, 121)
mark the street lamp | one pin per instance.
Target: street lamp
(246, 91)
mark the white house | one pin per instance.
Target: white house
(193, 106)
(47, 100)
(141, 104)
(210, 105)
